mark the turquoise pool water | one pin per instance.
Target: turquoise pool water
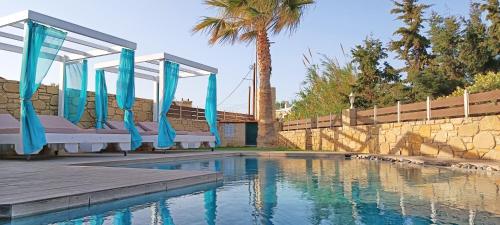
(303, 191)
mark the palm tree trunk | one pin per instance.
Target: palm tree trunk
(267, 133)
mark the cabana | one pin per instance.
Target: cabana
(41, 40)
(164, 70)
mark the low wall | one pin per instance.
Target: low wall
(471, 138)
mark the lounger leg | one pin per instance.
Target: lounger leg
(71, 148)
(211, 144)
(196, 145)
(185, 145)
(125, 146)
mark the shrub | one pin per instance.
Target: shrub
(482, 82)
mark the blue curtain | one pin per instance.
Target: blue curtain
(166, 133)
(211, 107)
(125, 94)
(41, 45)
(101, 99)
(75, 90)
(123, 217)
(210, 203)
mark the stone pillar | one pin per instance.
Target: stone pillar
(349, 117)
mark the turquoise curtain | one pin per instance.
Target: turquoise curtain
(123, 217)
(211, 107)
(41, 45)
(101, 99)
(165, 216)
(210, 203)
(166, 133)
(125, 94)
(75, 90)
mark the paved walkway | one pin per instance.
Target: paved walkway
(35, 186)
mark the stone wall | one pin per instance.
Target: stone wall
(232, 134)
(471, 138)
(45, 102)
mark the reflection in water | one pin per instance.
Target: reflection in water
(304, 191)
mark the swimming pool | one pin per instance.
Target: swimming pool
(303, 191)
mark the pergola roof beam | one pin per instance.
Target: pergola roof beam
(64, 49)
(113, 49)
(17, 49)
(136, 74)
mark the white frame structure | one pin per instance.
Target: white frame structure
(144, 69)
(100, 44)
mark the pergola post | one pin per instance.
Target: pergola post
(161, 80)
(155, 100)
(61, 86)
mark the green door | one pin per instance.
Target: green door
(251, 133)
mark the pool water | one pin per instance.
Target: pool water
(303, 191)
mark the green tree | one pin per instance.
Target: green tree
(249, 21)
(473, 49)
(445, 70)
(373, 80)
(411, 45)
(492, 9)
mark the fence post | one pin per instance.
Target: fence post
(399, 111)
(466, 104)
(196, 113)
(297, 126)
(180, 111)
(224, 115)
(330, 120)
(375, 114)
(428, 108)
(317, 120)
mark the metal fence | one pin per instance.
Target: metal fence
(485, 103)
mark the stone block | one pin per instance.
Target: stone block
(471, 154)
(384, 148)
(52, 89)
(429, 149)
(468, 130)
(447, 126)
(425, 131)
(11, 87)
(441, 136)
(489, 123)
(3, 99)
(445, 152)
(484, 140)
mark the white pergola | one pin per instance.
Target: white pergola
(80, 43)
(150, 67)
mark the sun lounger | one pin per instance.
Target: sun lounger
(185, 138)
(60, 131)
(147, 136)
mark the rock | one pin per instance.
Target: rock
(38, 104)
(384, 148)
(468, 130)
(471, 154)
(457, 144)
(447, 126)
(3, 99)
(52, 89)
(441, 136)
(445, 152)
(489, 123)
(484, 140)
(425, 131)
(429, 149)
(54, 100)
(11, 87)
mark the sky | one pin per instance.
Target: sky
(165, 26)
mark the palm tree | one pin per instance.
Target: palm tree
(249, 21)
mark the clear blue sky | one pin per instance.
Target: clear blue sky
(164, 25)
